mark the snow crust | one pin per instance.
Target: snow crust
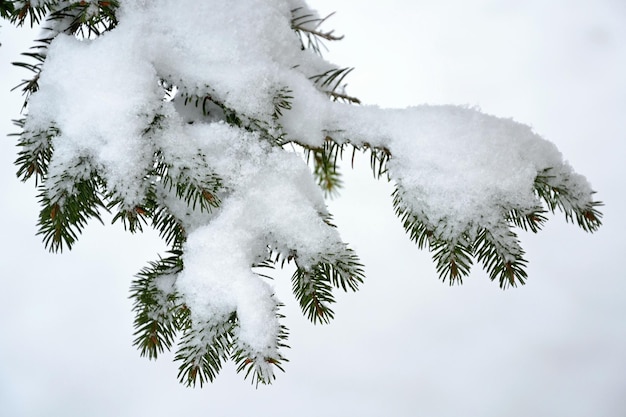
(455, 165)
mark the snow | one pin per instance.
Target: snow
(461, 166)
(274, 203)
(103, 127)
(455, 165)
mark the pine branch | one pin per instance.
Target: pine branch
(158, 313)
(453, 260)
(189, 183)
(85, 19)
(313, 291)
(30, 86)
(211, 108)
(379, 157)
(497, 249)
(325, 162)
(202, 350)
(35, 152)
(417, 230)
(502, 256)
(282, 101)
(261, 367)
(195, 193)
(34, 15)
(6, 9)
(325, 168)
(336, 96)
(132, 219)
(307, 25)
(532, 219)
(557, 192)
(201, 194)
(312, 286)
(65, 214)
(331, 83)
(169, 227)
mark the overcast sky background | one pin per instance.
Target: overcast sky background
(405, 344)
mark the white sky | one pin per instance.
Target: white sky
(406, 344)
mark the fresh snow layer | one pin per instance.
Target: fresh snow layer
(104, 97)
(455, 164)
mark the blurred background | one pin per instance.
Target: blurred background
(405, 344)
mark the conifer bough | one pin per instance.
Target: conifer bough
(220, 125)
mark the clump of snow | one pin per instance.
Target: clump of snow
(458, 167)
(274, 202)
(101, 95)
(461, 166)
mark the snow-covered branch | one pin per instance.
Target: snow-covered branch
(182, 116)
